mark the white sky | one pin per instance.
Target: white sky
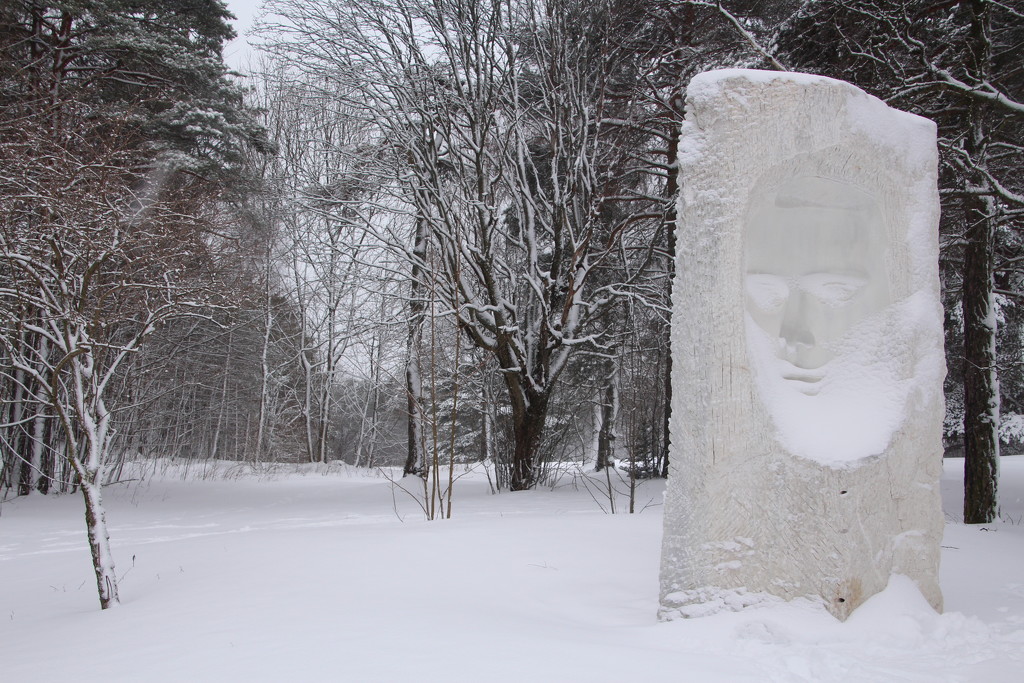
(238, 51)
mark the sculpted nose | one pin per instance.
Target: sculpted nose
(795, 331)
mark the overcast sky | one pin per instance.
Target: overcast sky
(236, 53)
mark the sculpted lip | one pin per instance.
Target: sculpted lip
(802, 380)
(803, 377)
(795, 373)
(804, 385)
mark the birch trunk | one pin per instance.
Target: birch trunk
(99, 542)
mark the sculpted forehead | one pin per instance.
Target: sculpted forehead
(813, 224)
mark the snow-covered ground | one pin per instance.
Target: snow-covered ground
(336, 577)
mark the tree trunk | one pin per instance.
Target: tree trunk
(527, 428)
(222, 408)
(39, 447)
(414, 462)
(99, 543)
(372, 419)
(981, 383)
(609, 412)
(262, 427)
(326, 402)
(47, 453)
(17, 442)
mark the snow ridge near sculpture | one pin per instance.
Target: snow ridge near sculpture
(807, 348)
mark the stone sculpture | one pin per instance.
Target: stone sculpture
(807, 348)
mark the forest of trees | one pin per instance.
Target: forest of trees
(428, 232)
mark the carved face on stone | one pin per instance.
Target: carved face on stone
(823, 327)
(814, 269)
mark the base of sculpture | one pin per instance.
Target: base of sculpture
(807, 348)
(702, 602)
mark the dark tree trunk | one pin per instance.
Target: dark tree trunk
(527, 428)
(609, 410)
(414, 409)
(22, 447)
(48, 458)
(414, 459)
(981, 384)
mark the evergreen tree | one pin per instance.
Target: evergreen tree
(155, 66)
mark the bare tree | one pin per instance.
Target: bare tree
(94, 262)
(497, 116)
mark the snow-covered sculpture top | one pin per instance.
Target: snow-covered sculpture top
(807, 347)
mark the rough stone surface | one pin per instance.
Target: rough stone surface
(807, 348)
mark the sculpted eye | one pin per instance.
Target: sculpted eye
(767, 292)
(832, 289)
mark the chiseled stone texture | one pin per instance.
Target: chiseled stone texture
(807, 362)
